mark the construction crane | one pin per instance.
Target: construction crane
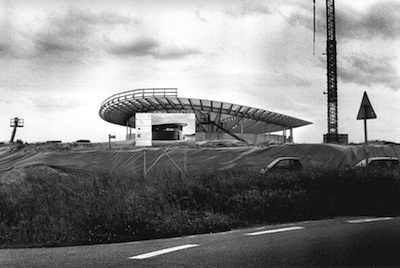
(332, 135)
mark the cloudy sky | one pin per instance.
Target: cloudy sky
(60, 59)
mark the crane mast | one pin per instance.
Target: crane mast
(332, 135)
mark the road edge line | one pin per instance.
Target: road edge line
(286, 229)
(162, 251)
(370, 220)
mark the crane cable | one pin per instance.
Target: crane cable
(314, 28)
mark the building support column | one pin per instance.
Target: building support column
(291, 139)
(127, 137)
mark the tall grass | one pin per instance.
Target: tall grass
(53, 209)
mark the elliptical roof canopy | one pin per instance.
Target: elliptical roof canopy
(121, 109)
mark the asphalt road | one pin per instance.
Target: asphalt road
(362, 241)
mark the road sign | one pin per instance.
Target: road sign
(366, 111)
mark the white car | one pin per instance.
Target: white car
(382, 162)
(287, 163)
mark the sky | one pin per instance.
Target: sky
(60, 59)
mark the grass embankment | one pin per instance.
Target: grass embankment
(54, 209)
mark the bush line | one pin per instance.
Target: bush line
(55, 209)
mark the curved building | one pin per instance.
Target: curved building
(214, 119)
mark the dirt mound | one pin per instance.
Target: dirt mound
(99, 159)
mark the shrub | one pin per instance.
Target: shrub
(55, 208)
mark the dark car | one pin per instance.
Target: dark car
(288, 163)
(384, 163)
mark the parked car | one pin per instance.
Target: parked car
(381, 163)
(287, 163)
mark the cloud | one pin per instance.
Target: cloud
(200, 17)
(16, 46)
(80, 22)
(5, 101)
(136, 48)
(150, 47)
(363, 69)
(289, 104)
(80, 34)
(53, 45)
(295, 80)
(176, 53)
(54, 103)
(9, 47)
(249, 9)
(4, 49)
(67, 36)
(76, 32)
(378, 20)
(303, 16)
(85, 17)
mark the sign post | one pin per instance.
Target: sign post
(109, 139)
(366, 112)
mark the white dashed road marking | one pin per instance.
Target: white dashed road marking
(294, 228)
(163, 251)
(370, 220)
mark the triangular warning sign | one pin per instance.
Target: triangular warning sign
(366, 111)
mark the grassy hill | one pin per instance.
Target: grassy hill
(69, 194)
